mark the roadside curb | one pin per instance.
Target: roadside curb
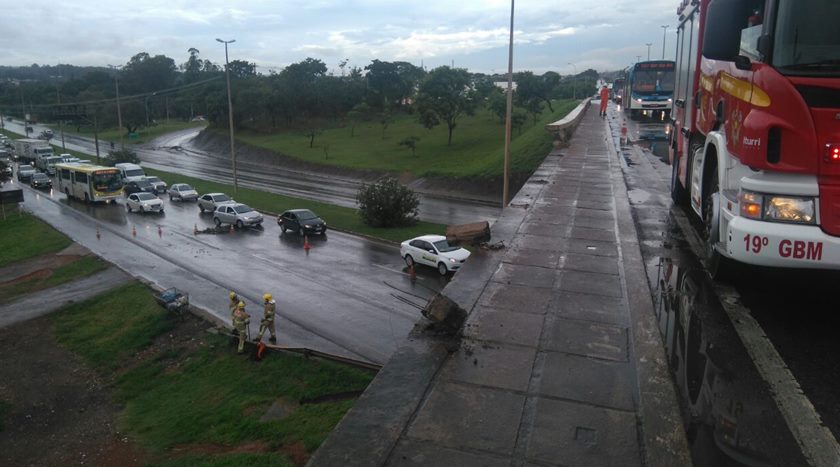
(663, 435)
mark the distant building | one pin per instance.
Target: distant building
(503, 85)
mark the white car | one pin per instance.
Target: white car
(236, 214)
(182, 192)
(211, 201)
(434, 251)
(143, 202)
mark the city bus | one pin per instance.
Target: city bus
(91, 183)
(650, 88)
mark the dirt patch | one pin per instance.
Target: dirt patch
(16, 271)
(61, 411)
(297, 453)
(216, 449)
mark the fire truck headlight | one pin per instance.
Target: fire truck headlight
(789, 209)
(750, 204)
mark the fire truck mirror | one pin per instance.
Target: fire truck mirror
(724, 23)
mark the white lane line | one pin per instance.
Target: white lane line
(817, 442)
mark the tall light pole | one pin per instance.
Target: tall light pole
(508, 111)
(116, 69)
(60, 120)
(648, 46)
(664, 31)
(574, 82)
(638, 58)
(230, 112)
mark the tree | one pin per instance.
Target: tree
(444, 96)
(123, 155)
(311, 134)
(387, 203)
(410, 142)
(359, 112)
(540, 88)
(242, 69)
(517, 120)
(385, 120)
(497, 104)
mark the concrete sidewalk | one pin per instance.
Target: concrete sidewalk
(560, 361)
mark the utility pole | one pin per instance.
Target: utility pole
(119, 112)
(638, 58)
(648, 46)
(508, 112)
(60, 120)
(664, 30)
(230, 112)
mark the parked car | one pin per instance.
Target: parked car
(182, 192)
(143, 202)
(160, 185)
(236, 214)
(210, 201)
(5, 170)
(434, 251)
(138, 186)
(25, 172)
(40, 180)
(302, 221)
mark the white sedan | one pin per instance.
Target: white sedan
(143, 202)
(434, 251)
(211, 201)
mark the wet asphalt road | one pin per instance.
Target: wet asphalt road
(733, 414)
(337, 298)
(175, 153)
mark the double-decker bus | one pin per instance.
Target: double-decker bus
(92, 183)
(650, 87)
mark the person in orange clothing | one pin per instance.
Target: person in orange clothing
(605, 100)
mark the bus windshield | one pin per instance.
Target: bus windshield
(805, 39)
(654, 77)
(107, 181)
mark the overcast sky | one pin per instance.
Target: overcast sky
(548, 34)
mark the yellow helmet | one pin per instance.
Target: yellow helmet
(267, 297)
(232, 295)
(240, 305)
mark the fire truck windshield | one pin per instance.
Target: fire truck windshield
(806, 41)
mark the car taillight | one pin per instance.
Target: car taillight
(832, 152)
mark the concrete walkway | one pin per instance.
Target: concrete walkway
(559, 362)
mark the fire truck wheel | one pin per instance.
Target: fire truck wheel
(719, 267)
(678, 192)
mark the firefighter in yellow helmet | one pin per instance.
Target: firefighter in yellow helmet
(234, 301)
(241, 319)
(267, 322)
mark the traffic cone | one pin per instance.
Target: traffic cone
(412, 273)
(231, 229)
(260, 350)
(195, 229)
(97, 233)
(133, 231)
(160, 232)
(623, 131)
(306, 243)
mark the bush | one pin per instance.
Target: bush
(124, 155)
(387, 203)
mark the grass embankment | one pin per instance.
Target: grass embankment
(477, 148)
(15, 230)
(200, 403)
(337, 217)
(24, 236)
(144, 134)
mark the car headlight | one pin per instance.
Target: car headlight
(794, 209)
(453, 260)
(307, 226)
(639, 101)
(670, 100)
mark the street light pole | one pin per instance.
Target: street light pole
(119, 112)
(508, 111)
(60, 120)
(664, 31)
(648, 46)
(230, 112)
(574, 82)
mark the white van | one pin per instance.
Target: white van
(130, 172)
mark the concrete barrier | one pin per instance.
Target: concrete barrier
(563, 129)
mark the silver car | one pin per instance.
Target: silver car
(160, 185)
(182, 192)
(236, 214)
(211, 201)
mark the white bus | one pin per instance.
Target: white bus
(91, 183)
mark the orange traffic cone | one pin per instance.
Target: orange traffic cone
(306, 243)
(133, 231)
(260, 350)
(412, 273)
(624, 132)
(231, 229)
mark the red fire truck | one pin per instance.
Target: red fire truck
(756, 149)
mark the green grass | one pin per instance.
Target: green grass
(477, 148)
(78, 269)
(145, 134)
(337, 217)
(203, 395)
(5, 408)
(17, 228)
(111, 327)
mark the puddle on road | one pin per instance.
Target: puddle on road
(638, 196)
